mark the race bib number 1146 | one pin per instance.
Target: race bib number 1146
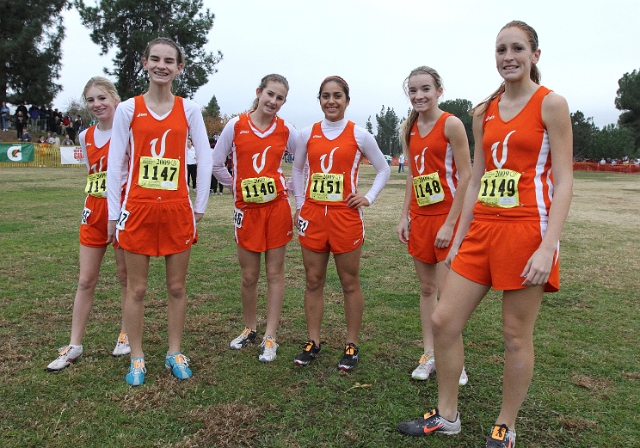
(258, 189)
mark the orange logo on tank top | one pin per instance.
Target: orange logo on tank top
(505, 151)
(95, 168)
(326, 169)
(262, 161)
(163, 145)
(421, 166)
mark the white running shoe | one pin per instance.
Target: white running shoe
(424, 369)
(68, 354)
(268, 349)
(464, 379)
(122, 346)
(246, 337)
(428, 365)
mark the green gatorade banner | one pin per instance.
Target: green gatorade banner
(16, 152)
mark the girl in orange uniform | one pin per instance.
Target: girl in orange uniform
(257, 141)
(156, 217)
(102, 99)
(329, 215)
(439, 170)
(508, 237)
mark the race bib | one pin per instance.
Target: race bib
(499, 188)
(258, 189)
(97, 184)
(159, 173)
(428, 189)
(85, 215)
(122, 219)
(238, 216)
(327, 187)
(302, 225)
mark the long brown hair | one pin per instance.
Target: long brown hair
(534, 74)
(273, 77)
(165, 41)
(405, 127)
(338, 80)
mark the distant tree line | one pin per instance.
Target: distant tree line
(32, 31)
(31, 35)
(613, 141)
(388, 125)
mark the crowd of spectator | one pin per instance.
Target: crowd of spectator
(40, 120)
(625, 160)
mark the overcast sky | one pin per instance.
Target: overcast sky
(586, 47)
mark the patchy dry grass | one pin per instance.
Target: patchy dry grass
(584, 394)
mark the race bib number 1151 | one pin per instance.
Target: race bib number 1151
(326, 187)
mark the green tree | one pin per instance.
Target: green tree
(460, 108)
(583, 131)
(212, 119)
(212, 109)
(628, 101)
(130, 24)
(612, 142)
(369, 125)
(387, 135)
(31, 34)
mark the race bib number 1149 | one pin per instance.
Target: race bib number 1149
(499, 188)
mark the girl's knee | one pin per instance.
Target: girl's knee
(428, 288)
(177, 290)
(515, 339)
(444, 325)
(87, 283)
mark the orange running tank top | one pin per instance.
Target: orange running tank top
(157, 167)
(97, 155)
(258, 177)
(333, 166)
(518, 182)
(97, 160)
(435, 178)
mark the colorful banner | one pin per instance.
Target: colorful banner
(71, 155)
(16, 152)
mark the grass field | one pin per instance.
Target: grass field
(585, 391)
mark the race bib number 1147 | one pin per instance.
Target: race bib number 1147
(159, 173)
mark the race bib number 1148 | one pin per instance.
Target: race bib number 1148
(428, 189)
